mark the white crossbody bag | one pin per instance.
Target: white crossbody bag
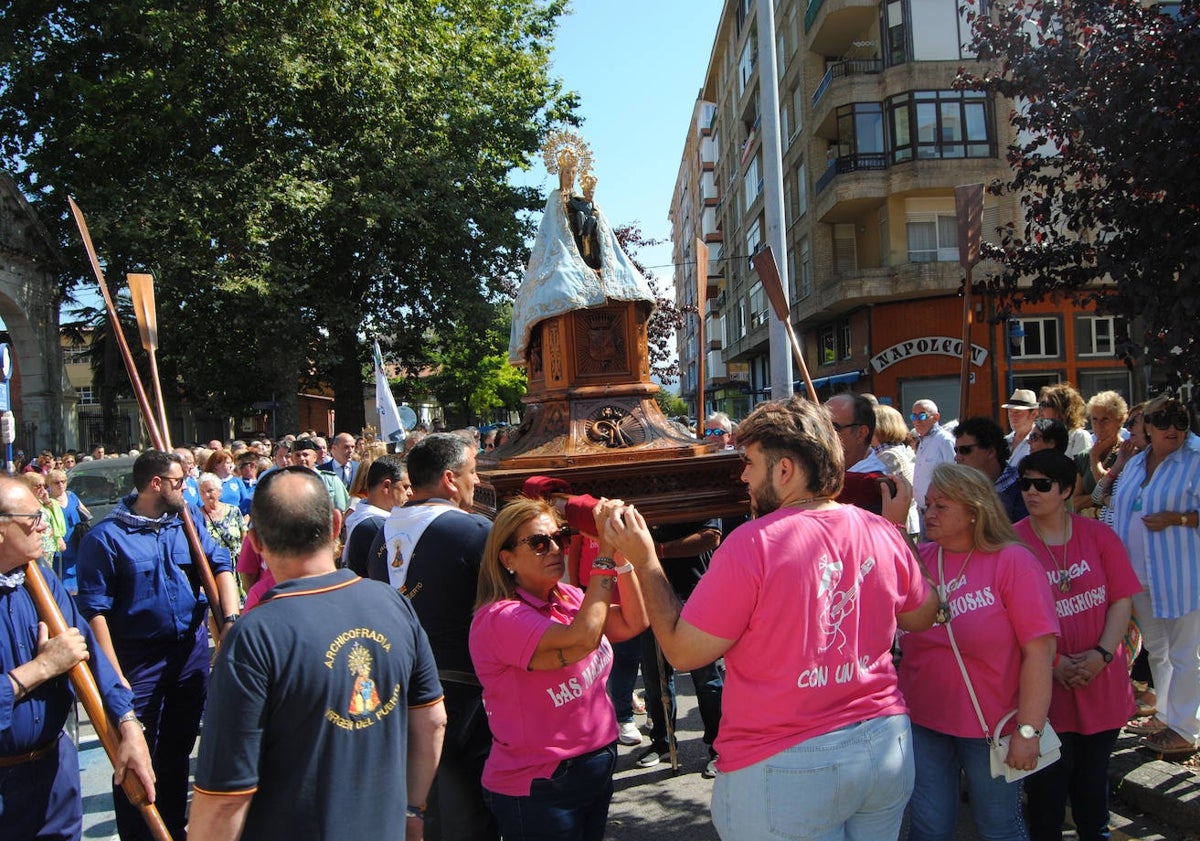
(1049, 745)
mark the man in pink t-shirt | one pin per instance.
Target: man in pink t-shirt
(803, 603)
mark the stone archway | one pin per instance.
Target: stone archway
(30, 264)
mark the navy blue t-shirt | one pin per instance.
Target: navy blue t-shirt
(308, 709)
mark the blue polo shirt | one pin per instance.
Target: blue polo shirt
(138, 573)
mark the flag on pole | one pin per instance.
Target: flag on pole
(390, 428)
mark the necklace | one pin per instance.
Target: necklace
(943, 611)
(797, 503)
(1062, 573)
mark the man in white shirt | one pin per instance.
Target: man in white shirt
(934, 446)
(1021, 408)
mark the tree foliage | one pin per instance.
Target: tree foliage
(293, 173)
(1105, 161)
(474, 377)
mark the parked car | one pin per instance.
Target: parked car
(101, 484)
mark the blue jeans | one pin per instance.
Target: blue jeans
(572, 805)
(709, 682)
(1082, 776)
(848, 784)
(627, 658)
(995, 804)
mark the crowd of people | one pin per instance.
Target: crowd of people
(904, 607)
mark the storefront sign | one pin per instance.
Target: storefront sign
(926, 345)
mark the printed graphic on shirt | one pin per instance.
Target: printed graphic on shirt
(364, 706)
(573, 688)
(837, 605)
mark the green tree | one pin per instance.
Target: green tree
(294, 173)
(473, 377)
(666, 318)
(1107, 115)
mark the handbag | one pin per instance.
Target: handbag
(1049, 745)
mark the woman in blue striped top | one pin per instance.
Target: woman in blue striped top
(1156, 512)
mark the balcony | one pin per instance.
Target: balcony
(833, 25)
(862, 162)
(850, 67)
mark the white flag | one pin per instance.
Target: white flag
(390, 428)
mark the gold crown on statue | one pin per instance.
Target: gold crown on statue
(562, 143)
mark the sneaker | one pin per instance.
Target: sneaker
(651, 756)
(629, 734)
(1146, 726)
(710, 770)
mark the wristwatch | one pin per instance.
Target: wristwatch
(1026, 731)
(1106, 654)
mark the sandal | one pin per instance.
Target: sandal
(1146, 726)
(1168, 745)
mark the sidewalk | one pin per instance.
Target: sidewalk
(1170, 791)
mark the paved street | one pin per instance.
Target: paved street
(664, 805)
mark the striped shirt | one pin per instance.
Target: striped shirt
(1172, 573)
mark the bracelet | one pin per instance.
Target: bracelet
(230, 619)
(417, 812)
(603, 562)
(24, 690)
(627, 568)
(605, 572)
(131, 716)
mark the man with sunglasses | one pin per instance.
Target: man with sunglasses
(935, 445)
(140, 591)
(431, 550)
(979, 443)
(39, 766)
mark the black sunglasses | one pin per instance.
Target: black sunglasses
(1042, 485)
(966, 449)
(540, 543)
(1167, 418)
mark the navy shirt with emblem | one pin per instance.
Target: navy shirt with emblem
(308, 709)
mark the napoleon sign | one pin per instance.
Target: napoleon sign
(924, 346)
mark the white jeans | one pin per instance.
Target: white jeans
(1174, 647)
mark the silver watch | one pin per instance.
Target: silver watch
(1027, 732)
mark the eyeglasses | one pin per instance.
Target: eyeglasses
(919, 416)
(714, 433)
(176, 484)
(840, 426)
(1042, 485)
(1035, 436)
(540, 543)
(1167, 418)
(966, 449)
(35, 520)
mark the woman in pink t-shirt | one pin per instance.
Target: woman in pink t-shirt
(541, 648)
(992, 592)
(1092, 582)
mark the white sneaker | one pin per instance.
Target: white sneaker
(710, 770)
(629, 734)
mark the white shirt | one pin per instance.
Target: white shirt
(937, 446)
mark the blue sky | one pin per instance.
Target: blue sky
(637, 66)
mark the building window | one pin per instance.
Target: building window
(1040, 340)
(746, 63)
(932, 238)
(845, 348)
(828, 345)
(753, 181)
(940, 124)
(806, 271)
(754, 237)
(860, 130)
(1097, 335)
(77, 355)
(927, 30)
(758, 305)
(845, 253)
(742, 318)
(87, 397)
(801, 190)
(793, 280)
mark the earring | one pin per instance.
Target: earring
(510, 572)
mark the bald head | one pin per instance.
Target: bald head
(292, 514)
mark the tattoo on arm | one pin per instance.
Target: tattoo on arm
(606, 583)
(562, 661)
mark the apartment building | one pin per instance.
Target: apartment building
(874, 141)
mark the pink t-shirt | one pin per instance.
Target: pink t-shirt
(538, 717)
(248, 560)
(998, 603)
(810, 600)
(1100, 574)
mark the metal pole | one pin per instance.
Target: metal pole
(772, 157)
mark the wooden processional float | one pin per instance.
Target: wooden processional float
(580, 331)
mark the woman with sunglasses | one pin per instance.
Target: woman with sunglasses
(542, 650)
(1063, 403)
(1089, 576)
(1156, 509)
(992, 595)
